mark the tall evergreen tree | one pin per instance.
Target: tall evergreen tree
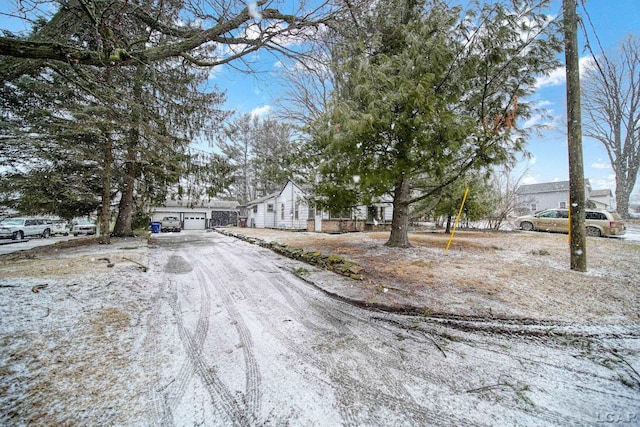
(426, 93)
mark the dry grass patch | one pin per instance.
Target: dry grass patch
(502, 274)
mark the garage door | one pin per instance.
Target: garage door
(194, 221)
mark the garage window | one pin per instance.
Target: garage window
(270, 207)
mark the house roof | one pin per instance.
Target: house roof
(547, 187)
(601, 193)
(211, 204)
(263, 199)
(272, 195)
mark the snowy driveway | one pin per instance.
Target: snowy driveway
(219, 332)
(252, 344)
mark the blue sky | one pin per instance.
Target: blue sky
(612, 20)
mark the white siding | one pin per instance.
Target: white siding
(290, 200)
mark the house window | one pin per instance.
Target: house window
(312, 213)
(270, 208)
(281, 210)
(296, 213)
(339, 215)
(563, 205)
(534, 207)
(255, 209)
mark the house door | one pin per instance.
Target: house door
(317, 223)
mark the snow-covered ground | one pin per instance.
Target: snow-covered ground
(203, 329)
(632, 234)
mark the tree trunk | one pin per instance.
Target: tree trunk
(105, 215)
(399, 237)
(448, 229)
(623, 191)
(123, 227)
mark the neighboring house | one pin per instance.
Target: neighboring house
(289, 209)
(547, 195)
(602, 199)
(215, 213)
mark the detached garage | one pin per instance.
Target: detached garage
(214, 213)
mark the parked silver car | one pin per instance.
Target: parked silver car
(19, 228)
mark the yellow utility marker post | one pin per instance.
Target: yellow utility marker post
(455, 224)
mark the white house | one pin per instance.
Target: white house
(548, 195)
(289, 209)
(602, 199)
(286, 208)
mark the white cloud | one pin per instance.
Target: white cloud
(261, 111)
(608, 182)
(586, 63)
(529, 179)
(254, 12)
(532, 121)
(601, 165)
(556, 77)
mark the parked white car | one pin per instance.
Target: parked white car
(60, 227)
(83, 226)
(19, 228)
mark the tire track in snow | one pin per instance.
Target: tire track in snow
(188, 369)
(222, 400)
(350, 389)
(252, 373)
(160, 413)
(283, 282)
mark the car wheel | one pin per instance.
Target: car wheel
(46, 234)
(18, 235)
(526, 226)
(593, 232)
(75, 234)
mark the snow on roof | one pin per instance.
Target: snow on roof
(211, 204)
(548, 187)
(601, 193)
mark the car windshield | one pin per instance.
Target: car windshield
(12, 222)
(84, 222)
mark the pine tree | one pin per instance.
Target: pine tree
(424, 95)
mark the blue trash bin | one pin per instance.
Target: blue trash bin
(155, 227)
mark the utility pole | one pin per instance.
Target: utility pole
(577, 202)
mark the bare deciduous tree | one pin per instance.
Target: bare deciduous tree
(611, 104)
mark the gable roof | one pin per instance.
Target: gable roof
(263, 199)
(273, 195)
(548, 187)
(601, 193)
